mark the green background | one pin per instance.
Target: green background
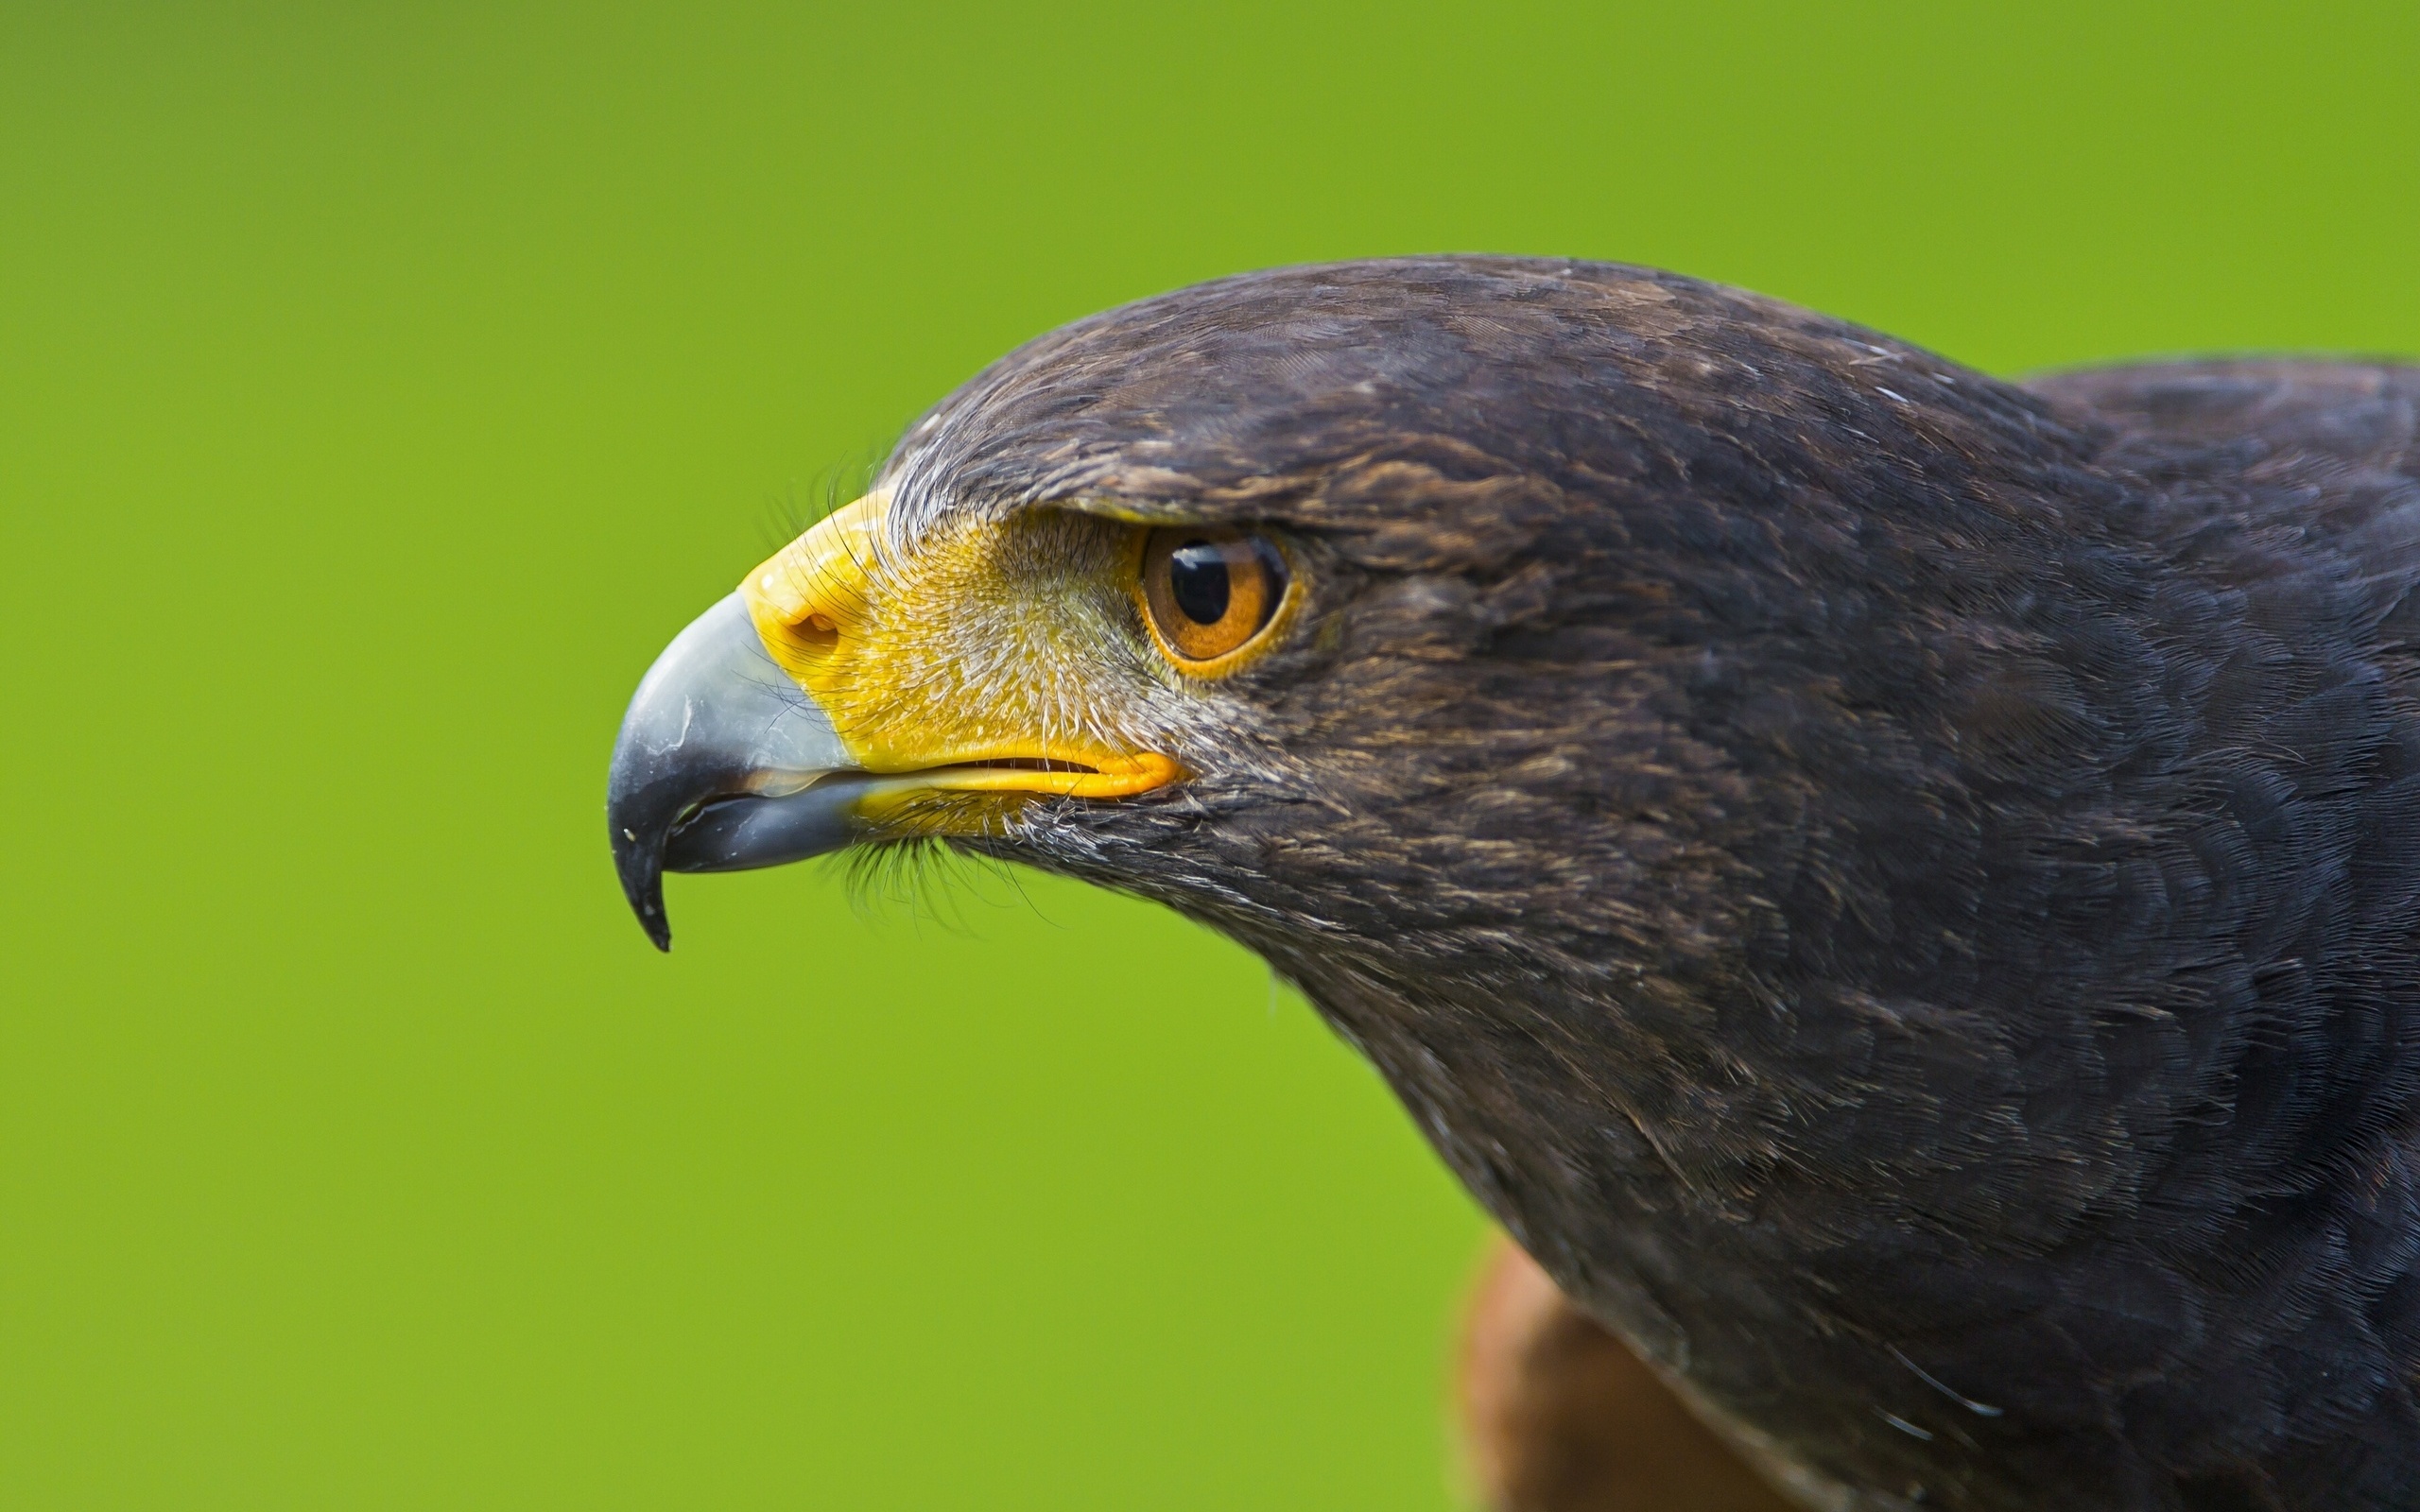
(380, 386)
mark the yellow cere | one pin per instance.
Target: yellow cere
(989, 642)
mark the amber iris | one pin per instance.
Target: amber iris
(1210, 591)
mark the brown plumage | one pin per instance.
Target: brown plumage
(1898, 889)
(1557, 1415)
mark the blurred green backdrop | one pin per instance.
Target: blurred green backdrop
(380, 386)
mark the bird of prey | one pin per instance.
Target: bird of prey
(1900, 891)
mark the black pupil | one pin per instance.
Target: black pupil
(1197, 581)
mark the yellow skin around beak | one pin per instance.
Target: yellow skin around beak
(980, 648)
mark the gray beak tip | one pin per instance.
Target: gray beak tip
(638, 859)
(651, 917)
(714, 726)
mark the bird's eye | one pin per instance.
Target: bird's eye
(1210, 592)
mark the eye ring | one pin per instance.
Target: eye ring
(1213, 595)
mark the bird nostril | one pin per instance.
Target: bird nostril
(812, 631)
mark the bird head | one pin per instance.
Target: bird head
(1490, 644)
(1398, 581)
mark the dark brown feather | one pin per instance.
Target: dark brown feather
(1559, 1415)
(1898, 888)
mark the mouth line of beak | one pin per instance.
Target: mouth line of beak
(950, 776)
(742, 829)
(1032, 774)
(1102, 777)
(1017, 764)
(724, 763)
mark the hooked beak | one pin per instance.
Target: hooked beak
(723, 763)
(773, 728)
